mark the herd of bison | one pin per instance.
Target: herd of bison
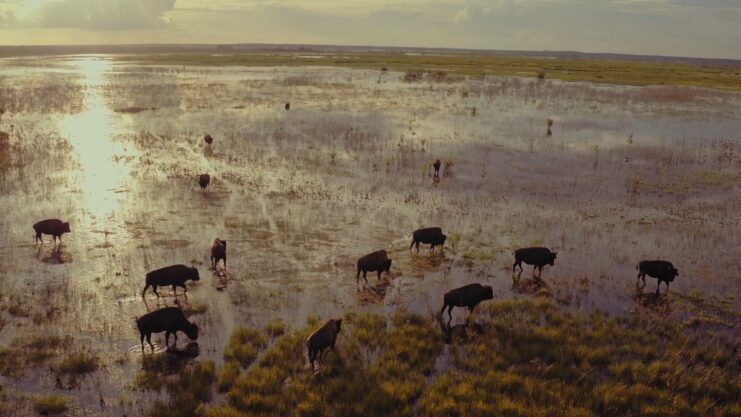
(172, 319)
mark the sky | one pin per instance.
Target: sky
(696, 28)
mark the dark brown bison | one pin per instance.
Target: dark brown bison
(54, 227)
(175, 275)
(169, 320)
(288, 106)
(662, 270)
(204, 180)
(218, 252)
(466, 296)
(436, 165)
(208, 139)
(432, 235)
(538, 257)
(323, 338)
(376, 261)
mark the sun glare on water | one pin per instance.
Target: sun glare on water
(91, 132)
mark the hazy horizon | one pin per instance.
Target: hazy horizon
(682, 28)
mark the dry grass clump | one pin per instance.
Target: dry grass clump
(78, 364)
(189, 390)
(16, 359)
(50, 404)
(243, 346)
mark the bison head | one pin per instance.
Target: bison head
(488, 292)
(442, 241)
(65, 227)
(387, 268)
(553, 258)
(338, 324)
(672, 273)
(192, 331)
(194, 272)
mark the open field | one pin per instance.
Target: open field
(441, 65)
(115, 148)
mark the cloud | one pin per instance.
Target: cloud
(101, 15)
(462, 16)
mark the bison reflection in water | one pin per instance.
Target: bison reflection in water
(324, 338)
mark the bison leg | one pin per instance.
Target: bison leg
(224, 263)
(145, 289)
(167, 339)
(38, 238)
(450, 314)
(412, 245)
(365, 273)
(174, 290)
(141, 337)
(149, 340)
(380, 271)
(357, 277)
(641, 276)
(154, 288)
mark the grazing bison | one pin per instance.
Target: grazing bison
(218, 252)
(175, 275)
(432, 235)
(466, 296)
(208, 139)
(436, 165)
(662, 270)
(204, 180)
(322, 339)
(538, 257)
(54, 227)
(376, 261)
(288, 106)
(168, 320)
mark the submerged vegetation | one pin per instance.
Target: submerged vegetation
(438, 66)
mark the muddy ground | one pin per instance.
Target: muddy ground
(629, 173)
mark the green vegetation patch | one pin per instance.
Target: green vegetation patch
(445, 67)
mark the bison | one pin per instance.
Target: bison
(218, 252)
(436, 165)
(538, 257)
(208, 139)
(168, 320)
(288, 106)
(432, 235)
(204, 180)
(662, 270)
(376, 261)
(54, 227)
(175, 275)
(322, 339)
(466, 296)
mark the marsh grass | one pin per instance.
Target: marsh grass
(441, 67)
(524, 357)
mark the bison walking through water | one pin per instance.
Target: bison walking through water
(54, 227)
(169, 320)
(218, 252)
(204, 180)
(432, 235)
(376, 261)
(468, 296)
(322, 339)
(662, 270)
(538, 257)
(174, 275)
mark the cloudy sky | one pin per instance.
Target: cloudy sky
(702, 28)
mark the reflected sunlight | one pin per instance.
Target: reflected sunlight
(91, 134)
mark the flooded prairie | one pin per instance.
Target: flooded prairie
(116, 149)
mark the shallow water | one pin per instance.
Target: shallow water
(116, 149)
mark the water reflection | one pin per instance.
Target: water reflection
(91, 133)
